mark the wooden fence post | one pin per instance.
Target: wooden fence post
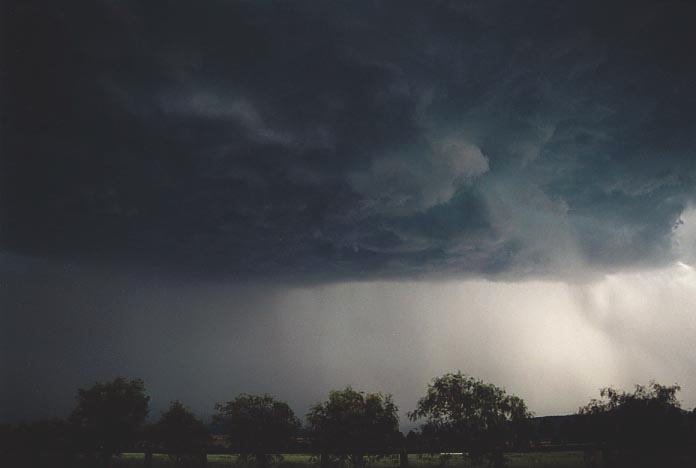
(203, 462)
(324, 460)
(148, 458)
(403, 459)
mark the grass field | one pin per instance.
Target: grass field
(514, 460)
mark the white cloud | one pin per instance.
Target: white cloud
(223, 106)
(684, 237)
(400, 184)
(461, 158)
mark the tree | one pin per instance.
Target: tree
(645, 423)
(465, 414)
(351, 423)
(180, 432)
(45, 441)
(257, 425)
(109, 416)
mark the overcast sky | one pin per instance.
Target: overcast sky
(288, 197)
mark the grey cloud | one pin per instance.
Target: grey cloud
(349, 140)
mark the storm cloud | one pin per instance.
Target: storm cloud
(348, 140)
(290, 197)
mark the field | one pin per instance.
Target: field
(514, 460)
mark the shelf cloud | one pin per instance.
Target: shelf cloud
(349, 141)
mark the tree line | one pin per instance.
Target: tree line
(458, 413)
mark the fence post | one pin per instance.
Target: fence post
(403, 459)
(148, 458)
(324, 460)
(203, 461)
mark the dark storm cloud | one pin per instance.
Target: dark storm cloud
(338, 139)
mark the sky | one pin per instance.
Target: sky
(290, 197)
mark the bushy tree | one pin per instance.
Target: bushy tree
(109, 415)
(465, 414)
(351, 423)
(29, 445)
(180, 432)
(646, 422)
(259, 426)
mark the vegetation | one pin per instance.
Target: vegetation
(109, 416)
(18, 444)
(645, 427)
(468, 415)
(568, 459)
(351, 423)
(641, 425)
(258, 425)
(180, 432)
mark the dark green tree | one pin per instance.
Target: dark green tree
(466, 414)
(180, 432)
(109, 416)
(259, 426)
(352, 423)
(644, 425)
(38, 443)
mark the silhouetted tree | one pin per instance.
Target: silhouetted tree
(351, 423)
(109, 416)
(415, 442)
(463, 413)
(259, 426)
(180, 432)
(48, 442)
(644, 425)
